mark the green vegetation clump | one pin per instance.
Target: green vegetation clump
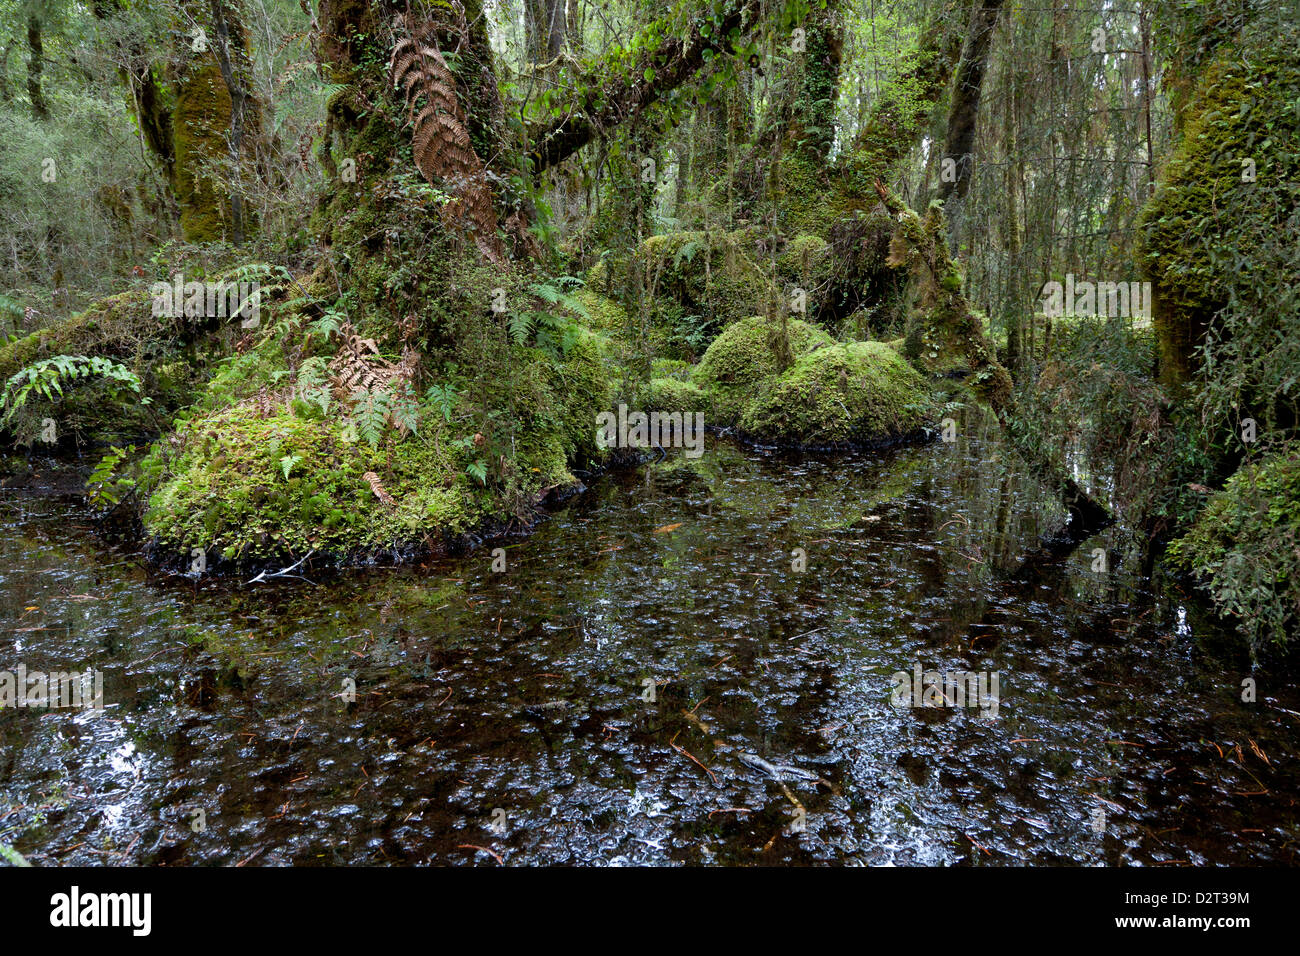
(242, 487)
(121, 328)
(672, 395)
(742, 357)
(805, 262)
(698, 283)
(1244, 547)
(273, 476)
(116, 326)
(859, 393)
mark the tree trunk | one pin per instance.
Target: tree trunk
(964, 112)
(35, 65)
(545, 27)
(230, 46)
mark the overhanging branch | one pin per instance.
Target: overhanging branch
(614, 92)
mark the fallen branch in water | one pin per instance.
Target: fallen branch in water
(284, 572)
(475, 846)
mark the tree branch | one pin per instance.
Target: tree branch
(614, 92)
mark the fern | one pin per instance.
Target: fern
(445, 397)
(48, 377)
(313, 383)
(329, 324)
(370, 410)
(440, 142)
(521, 326)
(103, 488)
(287, 463)
(11, 307)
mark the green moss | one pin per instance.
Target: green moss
(805, 261)
(672, 395)
(219, 484)
(856, 393)
(123, 328)
(1202, 218)
(698, 283)
(200, 125)
(742, 357)
(583, 384)
(1244, 546)
(604, 313)
(112, 327)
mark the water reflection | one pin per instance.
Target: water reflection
(590, 704)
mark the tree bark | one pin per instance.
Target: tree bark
(964, 113)
(611, 95)
(35, 65)
(230, 46)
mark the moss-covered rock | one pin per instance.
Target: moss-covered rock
(583, 385)
(742, 358)
(603, 313)
(859, 393)
(1244, 547)
(112, 327)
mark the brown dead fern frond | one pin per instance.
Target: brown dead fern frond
(359, 367)
(378, 488)
(440, 141)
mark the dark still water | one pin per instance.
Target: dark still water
(657, 677)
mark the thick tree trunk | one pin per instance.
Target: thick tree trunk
(200, 121)
(230, 47)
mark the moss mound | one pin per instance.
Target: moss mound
(114, 328)
(859, 393)
(741, 358)
(1244, 547)
(271, 478)
(244, 487)
(160, 351)
(672, 395)
(805, 261)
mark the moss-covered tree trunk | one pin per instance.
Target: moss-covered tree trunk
(244, 140)
(35, 66)
(410, 111)
(199, 123)
(215, 123)
(968, 87)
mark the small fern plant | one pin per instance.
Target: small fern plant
(48, 377)
(555, 334)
